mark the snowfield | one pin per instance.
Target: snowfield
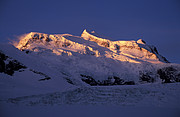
(85, 75)
(156, 95)
(148, 100)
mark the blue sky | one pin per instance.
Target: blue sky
(155, 21)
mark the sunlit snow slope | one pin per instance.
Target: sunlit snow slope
(90, 44)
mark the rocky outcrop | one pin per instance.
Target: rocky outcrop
(9, 65)
(146, 77)
(169, 74)
(113, 80)
(46, 77)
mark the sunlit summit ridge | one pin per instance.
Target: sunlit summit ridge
(90, 43)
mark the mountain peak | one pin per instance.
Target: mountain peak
(90, 43)
(140, 41)
(132, 49)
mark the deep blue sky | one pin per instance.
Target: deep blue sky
(155, 21)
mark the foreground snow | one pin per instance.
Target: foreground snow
(87, 111)
(158, 95)
(150, 100)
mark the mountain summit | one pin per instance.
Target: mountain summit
(90, 43)
(131, 51)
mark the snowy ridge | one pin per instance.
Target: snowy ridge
(130, 51)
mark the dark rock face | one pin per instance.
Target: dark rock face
(10, 66)
(46, 77)
(13, 66)
(69, 80)
(169, 74)
(114, 80)
(105, 44)
(89, 80)
(66, 44)
(2, 64)
(165, 59)
(117, 47)
(146, 77)
(129, 83)
(117, 81)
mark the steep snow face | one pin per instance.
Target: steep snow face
(132, 51)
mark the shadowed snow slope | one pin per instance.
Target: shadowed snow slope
(37, 77)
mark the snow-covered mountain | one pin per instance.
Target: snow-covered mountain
(95, 59)
(90, 44)
(43, 63)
